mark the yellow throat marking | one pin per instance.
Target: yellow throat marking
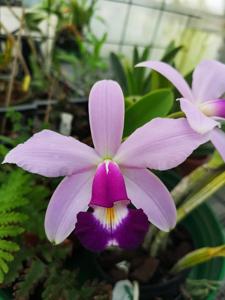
(110, 216)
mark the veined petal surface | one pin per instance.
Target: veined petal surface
(106, 115)
(160, 144)
(208, 80)
(51, 154)
(71, 197)
(171, 74)
(197, 120)
(147, 192)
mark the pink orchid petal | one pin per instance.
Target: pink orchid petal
(197, 120)
(106, 114)
(51, 154)
(218, 139)
(71, 197)
(147, 192)
(160, 144)
(214, 108)
(208, 80)
(171, 74)
(108, 185)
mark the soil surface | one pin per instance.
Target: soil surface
(138, 265)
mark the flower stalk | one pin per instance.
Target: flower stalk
(176, 115)
(201, 196)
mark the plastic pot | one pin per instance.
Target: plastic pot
(169, 289)
(205, 230)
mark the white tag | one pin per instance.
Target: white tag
(66, 123)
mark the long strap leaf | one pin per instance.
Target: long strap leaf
(198, 256)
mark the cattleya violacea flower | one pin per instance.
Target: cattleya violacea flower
(100, 185)
(200, 103)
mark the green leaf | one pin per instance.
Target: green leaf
(171, 54)
(198, 256)
(7, 140)
(139, 74)
(146, 53)
(135, 56)
(129, 101)
(158, 81)
(155, 104)
(131, 81)
(118, 71)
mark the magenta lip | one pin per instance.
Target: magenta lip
(108, 185)
(214, 108)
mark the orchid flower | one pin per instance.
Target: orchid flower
(100, 184)
(200, 103)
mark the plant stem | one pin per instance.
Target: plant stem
(199, 197)
(158, 241)
(188, 183)
(176, 115)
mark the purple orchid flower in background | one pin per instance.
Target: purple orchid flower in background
(100, 184)
(200, 103)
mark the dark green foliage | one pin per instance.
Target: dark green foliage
(32, 276)
(171, 52)
(16, 266)
(131, 79)
(119, 72)
(46, 273)
(36, 210)
(60, 284)
(64, 284)
(139, 81)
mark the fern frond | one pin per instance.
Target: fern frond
(6, 255)
(4, 266)
(16, 266)
(12, 218)
(14, 191)
(15, 186)
(10, 231)
(8, 246)
(2, 275)
(12, 204)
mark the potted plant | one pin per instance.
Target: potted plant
(32, 268)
